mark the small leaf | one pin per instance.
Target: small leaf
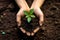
(33, 16)
(26, 12)
(29, 19)
(27, 16)
(31, 11)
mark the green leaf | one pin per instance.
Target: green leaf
(26, 13)
(31, 11)
(33, 16)
(29, 19)
(27, 16)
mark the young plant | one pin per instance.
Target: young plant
(29, 15)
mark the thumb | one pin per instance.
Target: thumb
(41, 20)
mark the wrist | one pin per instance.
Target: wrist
(35, 7)
(37, 3)
(27, 9)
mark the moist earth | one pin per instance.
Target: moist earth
(29, 27)
(50, 29)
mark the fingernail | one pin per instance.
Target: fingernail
(40, 24)
(32, 34)
(28, 33)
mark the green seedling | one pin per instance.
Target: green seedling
(29, 15)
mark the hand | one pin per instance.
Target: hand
(39, 14)
(23, 6)
(36, 6)
(19, 15)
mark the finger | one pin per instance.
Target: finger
(41, 18)
(18, 20)
(28, 33)
(22, 30)
(36, 29)
(32, 34)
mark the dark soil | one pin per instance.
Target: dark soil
(50, 29)
(30, 26)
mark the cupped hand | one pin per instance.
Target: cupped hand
(19, 15)
(39, 14)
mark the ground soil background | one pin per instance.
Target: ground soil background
(50, 29)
